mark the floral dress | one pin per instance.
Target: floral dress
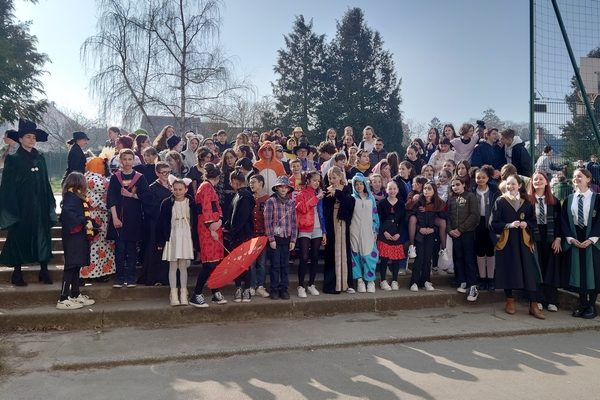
(102, 251)
(209, 211)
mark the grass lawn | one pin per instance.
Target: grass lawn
(55, 183)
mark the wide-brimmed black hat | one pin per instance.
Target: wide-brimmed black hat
(78, 136)
(26, 126)
(12, 135)
(302, 145)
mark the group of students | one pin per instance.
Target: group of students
(493, 224)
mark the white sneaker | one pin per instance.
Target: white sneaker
(552, 307)
(462, 288)
(473, 293)
(429, 287)
(412, 251)
(83, 300)
(130, 285)
(68, 305)
(350, 291)
(252, 292)
(313, 290)
(540, 307)
(301, 292)
(360, 287)
(384, 285)
(262, 292)
(444, 255)
(395, 285)
(414, 288)
(371, 287)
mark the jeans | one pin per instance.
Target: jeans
(463, 250)
(259, 270)
(126, 259)
(280, 265)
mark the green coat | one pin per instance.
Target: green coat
(27, 209)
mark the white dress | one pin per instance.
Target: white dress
(180, 246)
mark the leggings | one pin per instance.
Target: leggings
(309, 249)
(394, 267)
(70, 283)
(182, 266)
(207, 269)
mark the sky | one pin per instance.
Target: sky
(455, 58)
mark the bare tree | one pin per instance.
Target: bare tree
(122, 56)
(160, 56)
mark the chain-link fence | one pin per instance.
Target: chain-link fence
(560, 116)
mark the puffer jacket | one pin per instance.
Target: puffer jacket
(463, 212)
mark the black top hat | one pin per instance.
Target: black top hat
(12, 135)
(77, 136)
(302, 145)
(26, 126)
(173, 141)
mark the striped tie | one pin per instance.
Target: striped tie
(542, 214)
(580, 217)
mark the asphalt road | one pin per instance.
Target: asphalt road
(554, 366)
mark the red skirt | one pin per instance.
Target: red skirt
(391, 251)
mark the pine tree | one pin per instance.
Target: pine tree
(21, 69)
(580, 140)
(361, 87)
(301, 67)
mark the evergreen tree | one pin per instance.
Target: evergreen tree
(21, 69)
(362, 88)
(436, 123)
(580, 140)
(301, 67)
(492, 120)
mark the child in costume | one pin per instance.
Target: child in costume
(176, 236)
(363, 232)
(77, 228)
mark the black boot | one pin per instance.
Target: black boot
(44, 275)
(17, 277)
(491, 285)
(483, 284)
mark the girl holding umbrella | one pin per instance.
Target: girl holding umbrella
(210, 233)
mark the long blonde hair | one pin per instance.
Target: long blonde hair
(335, 170)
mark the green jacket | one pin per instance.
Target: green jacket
(463, 212)
(27, 209)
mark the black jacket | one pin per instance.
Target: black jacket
(75, 160)
(163, 227)
(240, 224)
(521, 159)
(75, 244)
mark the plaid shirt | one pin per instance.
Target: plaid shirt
(281, 214)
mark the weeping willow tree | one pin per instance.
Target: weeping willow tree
(159, 57)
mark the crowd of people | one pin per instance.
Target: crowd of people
(468, 203)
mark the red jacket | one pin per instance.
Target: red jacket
(306, 201)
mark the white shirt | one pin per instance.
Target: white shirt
(481, 196)
(587, 203)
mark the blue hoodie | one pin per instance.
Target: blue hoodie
(361, 178)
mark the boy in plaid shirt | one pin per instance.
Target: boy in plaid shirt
(282, 230)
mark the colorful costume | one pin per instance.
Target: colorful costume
(102, 251)
(363, 229)
(209, 211)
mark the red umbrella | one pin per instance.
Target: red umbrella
(236, 262)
